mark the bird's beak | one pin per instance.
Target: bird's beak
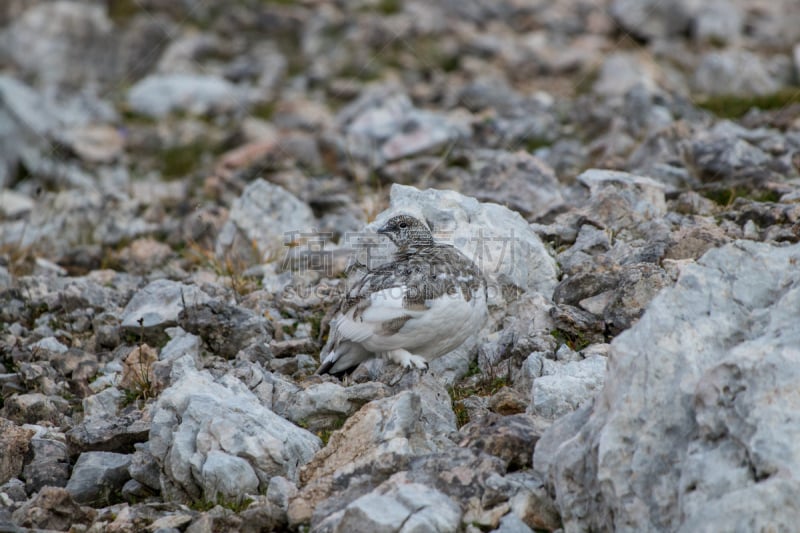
(383, 230)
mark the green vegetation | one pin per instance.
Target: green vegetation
(315, 320)
(473, 370)
(325, 434)
(279, 2)
(575, 341)
(237, 505)
(132, 118)
(140, 385)
(734, 106)
(130, 397)
(482, 527)
(462, 415)
(532, 144)
(483, 385)
(264, 110)
(178, 161)
(726, 197)
(383, 7)
(120, 11)
(110, 257)
(390, 7)
(430, 53)
(585, 84)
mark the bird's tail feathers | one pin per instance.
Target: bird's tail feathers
(345, 356)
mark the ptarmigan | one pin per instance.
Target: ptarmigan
(420, 306)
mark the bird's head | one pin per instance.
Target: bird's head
(406, 231)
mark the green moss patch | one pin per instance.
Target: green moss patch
(736, 106)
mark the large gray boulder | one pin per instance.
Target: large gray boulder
(159, 94)
(63, 42)
(314, 406)
(384, 125)
(96, 476)
(735, 72)
(563, 387)
(377, 441)
(156, 306)
(518, 180)
(261, 221)
(26, 119)
(213, 437)
(697, 426)
(620, 200)
(397, 507)
(67, 219)
(652, 19)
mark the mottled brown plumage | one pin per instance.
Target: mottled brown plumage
(399, 299)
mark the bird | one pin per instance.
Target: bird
(421, 305)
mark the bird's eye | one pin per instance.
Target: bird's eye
(403, 225)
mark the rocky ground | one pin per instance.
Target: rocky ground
(184, 185)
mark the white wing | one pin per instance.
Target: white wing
(384, 306)
(441, 326)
